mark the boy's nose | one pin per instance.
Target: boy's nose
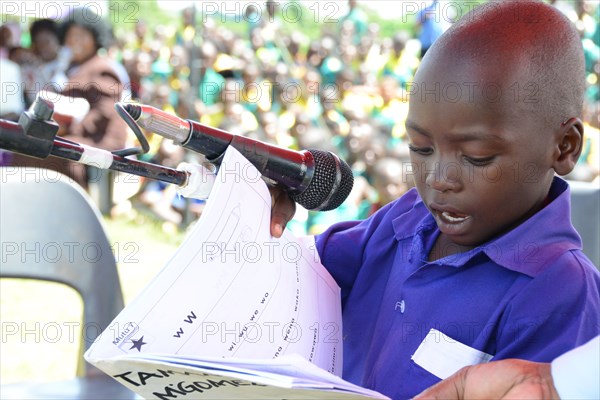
(443, 177)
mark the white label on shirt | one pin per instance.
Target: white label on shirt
(443, 356)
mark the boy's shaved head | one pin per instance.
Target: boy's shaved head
(529, 48)
(494, 115)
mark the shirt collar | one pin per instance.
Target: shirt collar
(416, 216)
(543, 237)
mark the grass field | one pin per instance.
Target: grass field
(41, 322)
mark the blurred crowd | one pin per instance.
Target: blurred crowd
(346, 91)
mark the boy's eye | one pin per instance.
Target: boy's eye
(479, 162)
(424, 151)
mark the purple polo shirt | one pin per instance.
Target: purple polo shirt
(530, 293)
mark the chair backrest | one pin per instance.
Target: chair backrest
(50, 230)
(585, 214)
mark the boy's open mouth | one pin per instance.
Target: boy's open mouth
(451, 217)
(448, 215)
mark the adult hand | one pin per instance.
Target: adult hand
(506, 379)
(283, 209)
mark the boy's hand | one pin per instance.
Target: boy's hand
(283, 209)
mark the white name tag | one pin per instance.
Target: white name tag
(443, 356)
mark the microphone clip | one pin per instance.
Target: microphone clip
(39, 128)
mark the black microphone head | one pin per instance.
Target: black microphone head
(330, 185)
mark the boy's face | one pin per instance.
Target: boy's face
(481, 164)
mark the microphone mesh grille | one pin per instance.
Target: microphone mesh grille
(322, 192)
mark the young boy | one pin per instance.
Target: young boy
(481, 260)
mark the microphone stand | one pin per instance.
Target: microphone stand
(35, 136)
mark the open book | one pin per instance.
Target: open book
(235, 314)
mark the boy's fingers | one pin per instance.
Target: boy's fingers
(282, 211)
(277, 226)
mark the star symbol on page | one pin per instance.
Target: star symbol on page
(137, 343)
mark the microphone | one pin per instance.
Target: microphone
(315, 179)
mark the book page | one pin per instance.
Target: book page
(232, 290)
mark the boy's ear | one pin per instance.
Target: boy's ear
(570, 144)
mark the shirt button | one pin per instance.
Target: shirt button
(400, 306)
